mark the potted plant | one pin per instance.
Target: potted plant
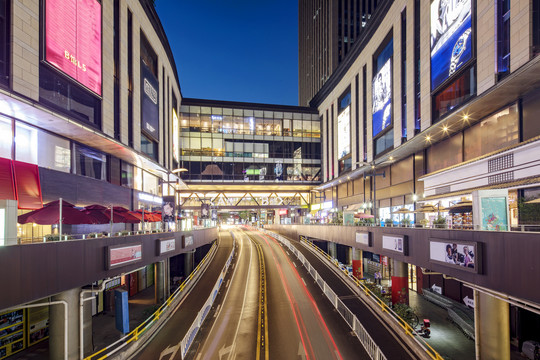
(388, 222)
(424, 222)
(406, 222)
(440, 223)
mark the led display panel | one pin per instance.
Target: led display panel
(382, 98)
(176, 136)
(451, 38)
(73, 40)
(344, 133)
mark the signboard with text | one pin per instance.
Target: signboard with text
(363, 238)
(149, 103)
(166, 246)
(123, 255)
(73, 40)
(397, 243)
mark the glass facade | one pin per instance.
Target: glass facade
(232, 144)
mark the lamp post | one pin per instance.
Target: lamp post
(374, 175)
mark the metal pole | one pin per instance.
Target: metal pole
(60, 222)
(374, 197)
(111, 219)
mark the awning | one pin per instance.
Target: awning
(27, 185)
(7, 182)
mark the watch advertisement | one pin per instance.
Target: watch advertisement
(73, 40)
(382, 98)
(451, 38)
(149, 103)
(344, 133)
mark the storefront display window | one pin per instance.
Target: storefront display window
(89, 162)
(26, 143)
(150, 183)
(6, 138)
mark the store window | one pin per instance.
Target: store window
(297, 128)
(26, 143)
(127, 175)
(150, 183)
(286, 127)
(53, 152)
(496, 132)
(89, 162)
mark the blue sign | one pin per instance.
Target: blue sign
(451, 38)
(121, 308)
(149, 103)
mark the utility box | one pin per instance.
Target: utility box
(121, 309)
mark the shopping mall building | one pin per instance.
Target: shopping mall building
(428, 122)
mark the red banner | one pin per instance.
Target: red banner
(357, 269)
(400, 290)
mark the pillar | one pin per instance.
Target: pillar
(8, 222)
(400, 282)
(491, 327)
(356, 255)
(57, 327)
(332, 249)
(159, 282)
(188, 262)
(87, 325)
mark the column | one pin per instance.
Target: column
(332, 250)
(8, 222)
(491, 327)
(357, 263)
(188, 263)
(57, 325)
(400, 282)
(159, 282)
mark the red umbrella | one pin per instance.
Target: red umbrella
(50, 213)
(98, 213)
(148, 217)
(122, 215)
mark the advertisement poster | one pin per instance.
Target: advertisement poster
(73, 40)
(451, 38)
(494, 212)
(166, 246)
(38, 324)
(149, 103)
(167, 210)
(357, 269)
(394, 243)
(344, 133)
(205, 211)
(348, 218)
(456, 254)
(382, 98)
(124, 255)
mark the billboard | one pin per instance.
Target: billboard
(456, 254)
(344, 133)
(176, 136)
(149, 103)
(123, 255)
(382, 98)
(397, 243)
(451, 40)
(73, 40)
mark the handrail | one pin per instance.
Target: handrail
(135, 334)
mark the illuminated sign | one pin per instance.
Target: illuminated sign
(282, 212)
(327, 205)
(216, 117)
(463, 255)
(253, 171)
(382, 98)
(176, 136)
(166, 246)
(344, 133)
(150, 198)
(73, 40)
(397, 243)
(451, 40)
(149, 103)
(363, 238)
(315, 207)
(123, 255)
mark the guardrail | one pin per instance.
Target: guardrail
(201, 316)
(365, 339)
(163, 310)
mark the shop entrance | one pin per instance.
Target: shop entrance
(412, 278)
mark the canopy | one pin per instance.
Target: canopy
(464, 206)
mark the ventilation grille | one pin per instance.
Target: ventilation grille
(500, 178)
(501, 163)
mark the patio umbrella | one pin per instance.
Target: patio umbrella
(122, 215)
(463, 206)
(363, 216)
(50, 214)
(426, 208)
(403, 210)
(535, 201)
(148, 217)
(98, 213)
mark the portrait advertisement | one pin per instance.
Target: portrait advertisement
(455, 254)
(167, 210)
(382, 98)
(451, 38)
(344, 133)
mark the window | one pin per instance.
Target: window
(89, 162)
(383, 143)
(4, 42)
(126, 174)
(404, 75)
(503, 37)
(6, 138)
(536, 26)
(455, 94)
(149, 147)
(63, 95)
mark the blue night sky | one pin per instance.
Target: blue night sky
(237, 50)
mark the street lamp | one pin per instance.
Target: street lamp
(374, 175)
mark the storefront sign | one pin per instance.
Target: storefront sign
(384, 260)
(397, 243)
(282, 212)
(363, 238)
(463, 255)
(165, 246)
(315, 207)
(123, 255)
(149, 103)
(73, 40)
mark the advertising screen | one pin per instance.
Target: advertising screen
(463, 255)
(344, 133)
(149, 103)
(73, 40)
(451, 44)
(176, 136)
(382, 98)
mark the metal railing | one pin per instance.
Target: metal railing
(163, 310)
(514, 228)
(369, 344)
(201, 316)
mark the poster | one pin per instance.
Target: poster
(149, 103)
(124, 255)
(494, 212)
(167, 211)
(451, 38)
(454, 253)
(344, 133)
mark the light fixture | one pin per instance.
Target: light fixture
(414, 197)
(445, 128)
(176, 171)
(465, 117)
(428, 138)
